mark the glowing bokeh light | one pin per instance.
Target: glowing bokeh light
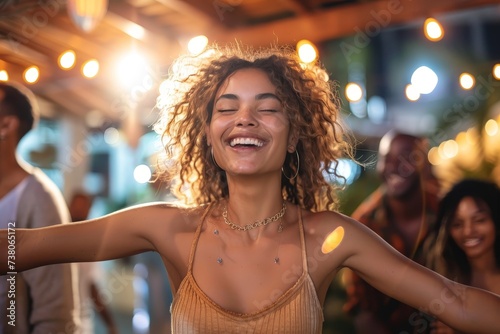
(333, 240)
(4, 76)
(450, 148)
(411, 93)
(142, 174)
(135, 31)
(67, 60)
(433, 30)
(90, 68)
(353, 92)
(496, 71)
(467, 81)
(307, 51)
(424, 80)
(111, 136)
(434, 157)
(491, 127)
(31, 74)
(197, 45)
(132, 70)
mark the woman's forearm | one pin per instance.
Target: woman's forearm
(473, 310)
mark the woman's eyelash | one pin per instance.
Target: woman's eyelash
(267, 110)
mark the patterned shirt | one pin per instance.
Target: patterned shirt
(375, 213)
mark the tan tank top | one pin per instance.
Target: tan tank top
(298, 310)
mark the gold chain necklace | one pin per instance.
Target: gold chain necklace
(255, 224)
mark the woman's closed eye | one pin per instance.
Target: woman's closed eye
(226, 109)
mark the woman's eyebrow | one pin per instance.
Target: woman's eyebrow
(267, 96)
(261, 96)
(227, 96)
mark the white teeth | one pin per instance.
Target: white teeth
(246, 141)
(395, 179)
(471, 242)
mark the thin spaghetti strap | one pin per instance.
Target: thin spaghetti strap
(302, 241)
(196, 238)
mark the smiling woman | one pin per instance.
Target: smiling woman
(468, 233)
(254, 137)
(467, 244)
(203, 87)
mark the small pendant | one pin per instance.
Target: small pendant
(277, 260)
(219, 260)
(216, 232)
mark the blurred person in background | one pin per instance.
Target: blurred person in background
(158, 297)
(401, 211)
(89, 276)
(46, 298)
(467, 246)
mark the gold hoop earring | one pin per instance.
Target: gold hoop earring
(298, 166)
(213, 158)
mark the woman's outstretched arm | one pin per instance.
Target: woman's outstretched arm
(123, 233)
(464, 308)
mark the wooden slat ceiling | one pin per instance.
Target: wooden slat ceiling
(35, 32)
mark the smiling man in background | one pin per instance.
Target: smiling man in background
(400, 211)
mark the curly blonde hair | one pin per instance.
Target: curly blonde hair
(186, 104)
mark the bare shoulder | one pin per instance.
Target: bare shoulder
(169, 227)
(337, 235)
(324, 222)
(159, 221)
(171, 216)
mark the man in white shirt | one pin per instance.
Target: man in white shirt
(45, 299)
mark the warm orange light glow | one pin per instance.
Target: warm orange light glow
(333, 240)
(467, 81)
(90, 68)
(307, 51)
(197, 45)
(67, 59)
(86, 14)
(433, 30)
(353, 92)
(434, 157)
(496, 71)
(491, 127)
(4, 76)
(411, 93)
(31, 74)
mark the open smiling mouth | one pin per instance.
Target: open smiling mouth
(246, 142)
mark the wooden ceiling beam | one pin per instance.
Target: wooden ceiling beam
(204, 13)
(340, 21)
(299, 7)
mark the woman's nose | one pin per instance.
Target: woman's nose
(245, 117)
(468, 228)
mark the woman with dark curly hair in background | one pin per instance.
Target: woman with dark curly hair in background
(467, 246)
(249, 136)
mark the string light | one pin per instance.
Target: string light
(433, 30)
(67, 60)
(307, 51)
(4, 76)
(31, 74)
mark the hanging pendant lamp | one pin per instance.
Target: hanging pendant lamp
(86, 14)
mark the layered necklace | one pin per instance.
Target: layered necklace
(278, 216)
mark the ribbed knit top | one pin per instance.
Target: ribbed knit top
(298, 310)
